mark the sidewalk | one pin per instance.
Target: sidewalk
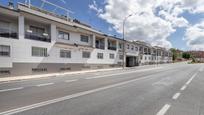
(53, 74)
(16, 78)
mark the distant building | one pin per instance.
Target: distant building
(198, 55)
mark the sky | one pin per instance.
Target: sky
(167, 23)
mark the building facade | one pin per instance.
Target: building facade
(33, 41)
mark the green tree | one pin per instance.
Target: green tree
(186, 55)
(173, 50)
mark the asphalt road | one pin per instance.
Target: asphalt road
(170, 89)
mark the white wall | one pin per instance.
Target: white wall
(21, 52)
(74, 38)
(6, 62)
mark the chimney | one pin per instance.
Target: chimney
(10, 4)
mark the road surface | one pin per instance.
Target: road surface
(169, 89)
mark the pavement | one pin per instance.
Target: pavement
(37, 76)
(169, 89)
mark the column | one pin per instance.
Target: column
(53, 33)
(117, 45)
(93, 40)
(21, 27)
(106, 43)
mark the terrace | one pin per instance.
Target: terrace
(112, 44)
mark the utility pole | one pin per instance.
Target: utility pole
(124, 20)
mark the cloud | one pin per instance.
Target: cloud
(194, 6)
(194, 36)
(94, 7)
(153, 20)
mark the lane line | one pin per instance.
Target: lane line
(44, 84)
(176, 96)
(164, 109)
(183, 88)
(68, 81)
(189, 81)
(12, 89)
(109, 75)
(44, 103)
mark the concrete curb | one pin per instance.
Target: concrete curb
(52, 75)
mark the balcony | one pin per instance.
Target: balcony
(8, 34)
(32, 36)
(100, 46)
(112, 47)
(112, 44)
(100, 43)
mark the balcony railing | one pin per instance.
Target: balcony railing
(8, 34)
(33, 36)
(112, 47)
(100, 46)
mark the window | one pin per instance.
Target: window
(86, 54)
(100, 43)
(111, 56)
(8, 30)
(100, 55)
(4, 25)
(121, 57)
(120, 45)
(37, 30)
(65, 54)
(132, 48)
(84, 38)
(128, 46)
(141, 49)
(4, 50)
(63, 35)
(39, 51)
(136, 48)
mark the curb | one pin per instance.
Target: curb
(7, 79)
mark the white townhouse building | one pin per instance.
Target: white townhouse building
(163, 55)
(152, 54)
(35, 41)
(145, 56)
(132, 54)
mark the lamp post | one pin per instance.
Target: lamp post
(124, 20)
(157, 55)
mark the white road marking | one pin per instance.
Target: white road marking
(183, 88)
(45, 84)
(176, 96)
(189, 81)
(68, 81)
(109, 75)
(164, 109)
(5, 82)
(12, 89)
(44, 103)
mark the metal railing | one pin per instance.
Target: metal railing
(8, 34)
(112, 47)
(37, 37)
(100, 46)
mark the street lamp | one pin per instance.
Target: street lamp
(157, 55)
(124, 20)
